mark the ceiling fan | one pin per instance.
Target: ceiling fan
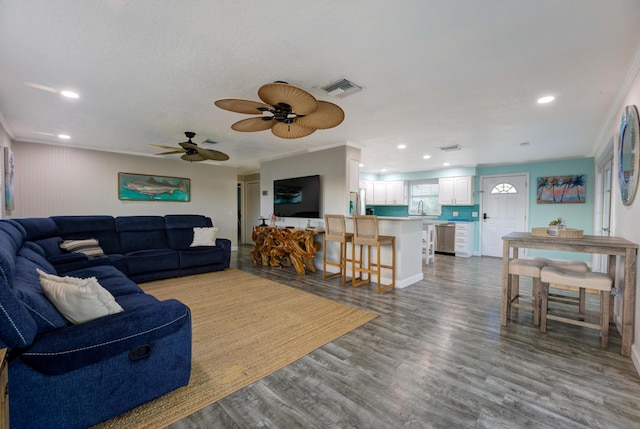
(192, 152)
(290, 112)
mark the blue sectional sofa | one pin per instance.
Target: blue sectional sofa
(144, 248)
(66, 375)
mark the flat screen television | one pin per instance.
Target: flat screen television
(297, 197)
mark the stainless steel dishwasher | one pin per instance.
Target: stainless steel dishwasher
(446, 238)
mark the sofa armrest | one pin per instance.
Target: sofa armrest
(225, 243)
(73, 347)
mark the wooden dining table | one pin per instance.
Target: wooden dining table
(611, 246)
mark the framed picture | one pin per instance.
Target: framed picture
(9, 166)
(142, 187)
(561, 189)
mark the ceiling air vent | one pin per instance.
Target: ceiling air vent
(451, 148)
(341, 88)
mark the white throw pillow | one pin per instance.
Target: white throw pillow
(204, 236)
(79, 300)
(89, 247)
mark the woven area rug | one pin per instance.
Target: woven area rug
(244, 328)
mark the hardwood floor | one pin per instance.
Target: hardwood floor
(437, 357)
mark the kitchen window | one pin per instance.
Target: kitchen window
(427, 192)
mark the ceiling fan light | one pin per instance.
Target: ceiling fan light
(69, 94)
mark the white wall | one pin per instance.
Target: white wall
(55, 180)
(625, 218)
(332, 166)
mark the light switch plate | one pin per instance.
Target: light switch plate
(455, 214)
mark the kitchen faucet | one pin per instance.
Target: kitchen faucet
(421, 207)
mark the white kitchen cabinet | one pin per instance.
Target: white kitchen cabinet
(367, 185)
(455, 191)
(395, 193)
(389, 193)
(464, 239)
(379, 193)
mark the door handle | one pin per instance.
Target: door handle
(484, 216)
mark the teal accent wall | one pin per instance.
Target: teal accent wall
(575, 215)
(464, 213)
(396, 211)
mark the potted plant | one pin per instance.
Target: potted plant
(555, 226)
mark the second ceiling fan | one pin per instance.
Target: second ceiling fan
(288, 111)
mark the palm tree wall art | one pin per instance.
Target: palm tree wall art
(561, 189)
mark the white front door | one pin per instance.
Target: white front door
(504, 206)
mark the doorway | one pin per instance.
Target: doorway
(251, 211)
(504, 208)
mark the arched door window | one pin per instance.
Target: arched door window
(504, 188)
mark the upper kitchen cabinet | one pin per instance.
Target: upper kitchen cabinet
(455, 191)
(389, 193)
(367, 185)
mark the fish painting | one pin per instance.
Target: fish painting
(133, 187)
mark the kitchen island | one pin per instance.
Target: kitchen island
(408, 234)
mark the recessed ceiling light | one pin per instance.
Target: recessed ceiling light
(402, 146)
(69, 94)
(426, 157)
(547, 99)
(360, 165)
(383, 170)
(64, 136)
(446, 164)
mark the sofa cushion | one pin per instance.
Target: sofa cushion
(38, 228)
(26, 286)
(204, 236)
(29, 252)
(153, 260)
(180, 229)
(102, 228)
(17, 326)
(12, 237)
(201, 256)
(51, 246)
(79, 300)
(110, 278)
(89, 247)
(141, 233)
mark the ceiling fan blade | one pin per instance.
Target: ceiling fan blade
(242, 106)
(214, 155)
(165, 147)
(253, 124)
(301, 102)
(328, 115)
(171, 152)
(188, 145)
(193, 157)
(290, 131)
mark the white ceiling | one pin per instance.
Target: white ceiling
(435, 73)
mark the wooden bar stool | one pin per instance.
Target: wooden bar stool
(336, 231)
(428, 243)
(598, 281)
(529, 268)
(366, 234)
